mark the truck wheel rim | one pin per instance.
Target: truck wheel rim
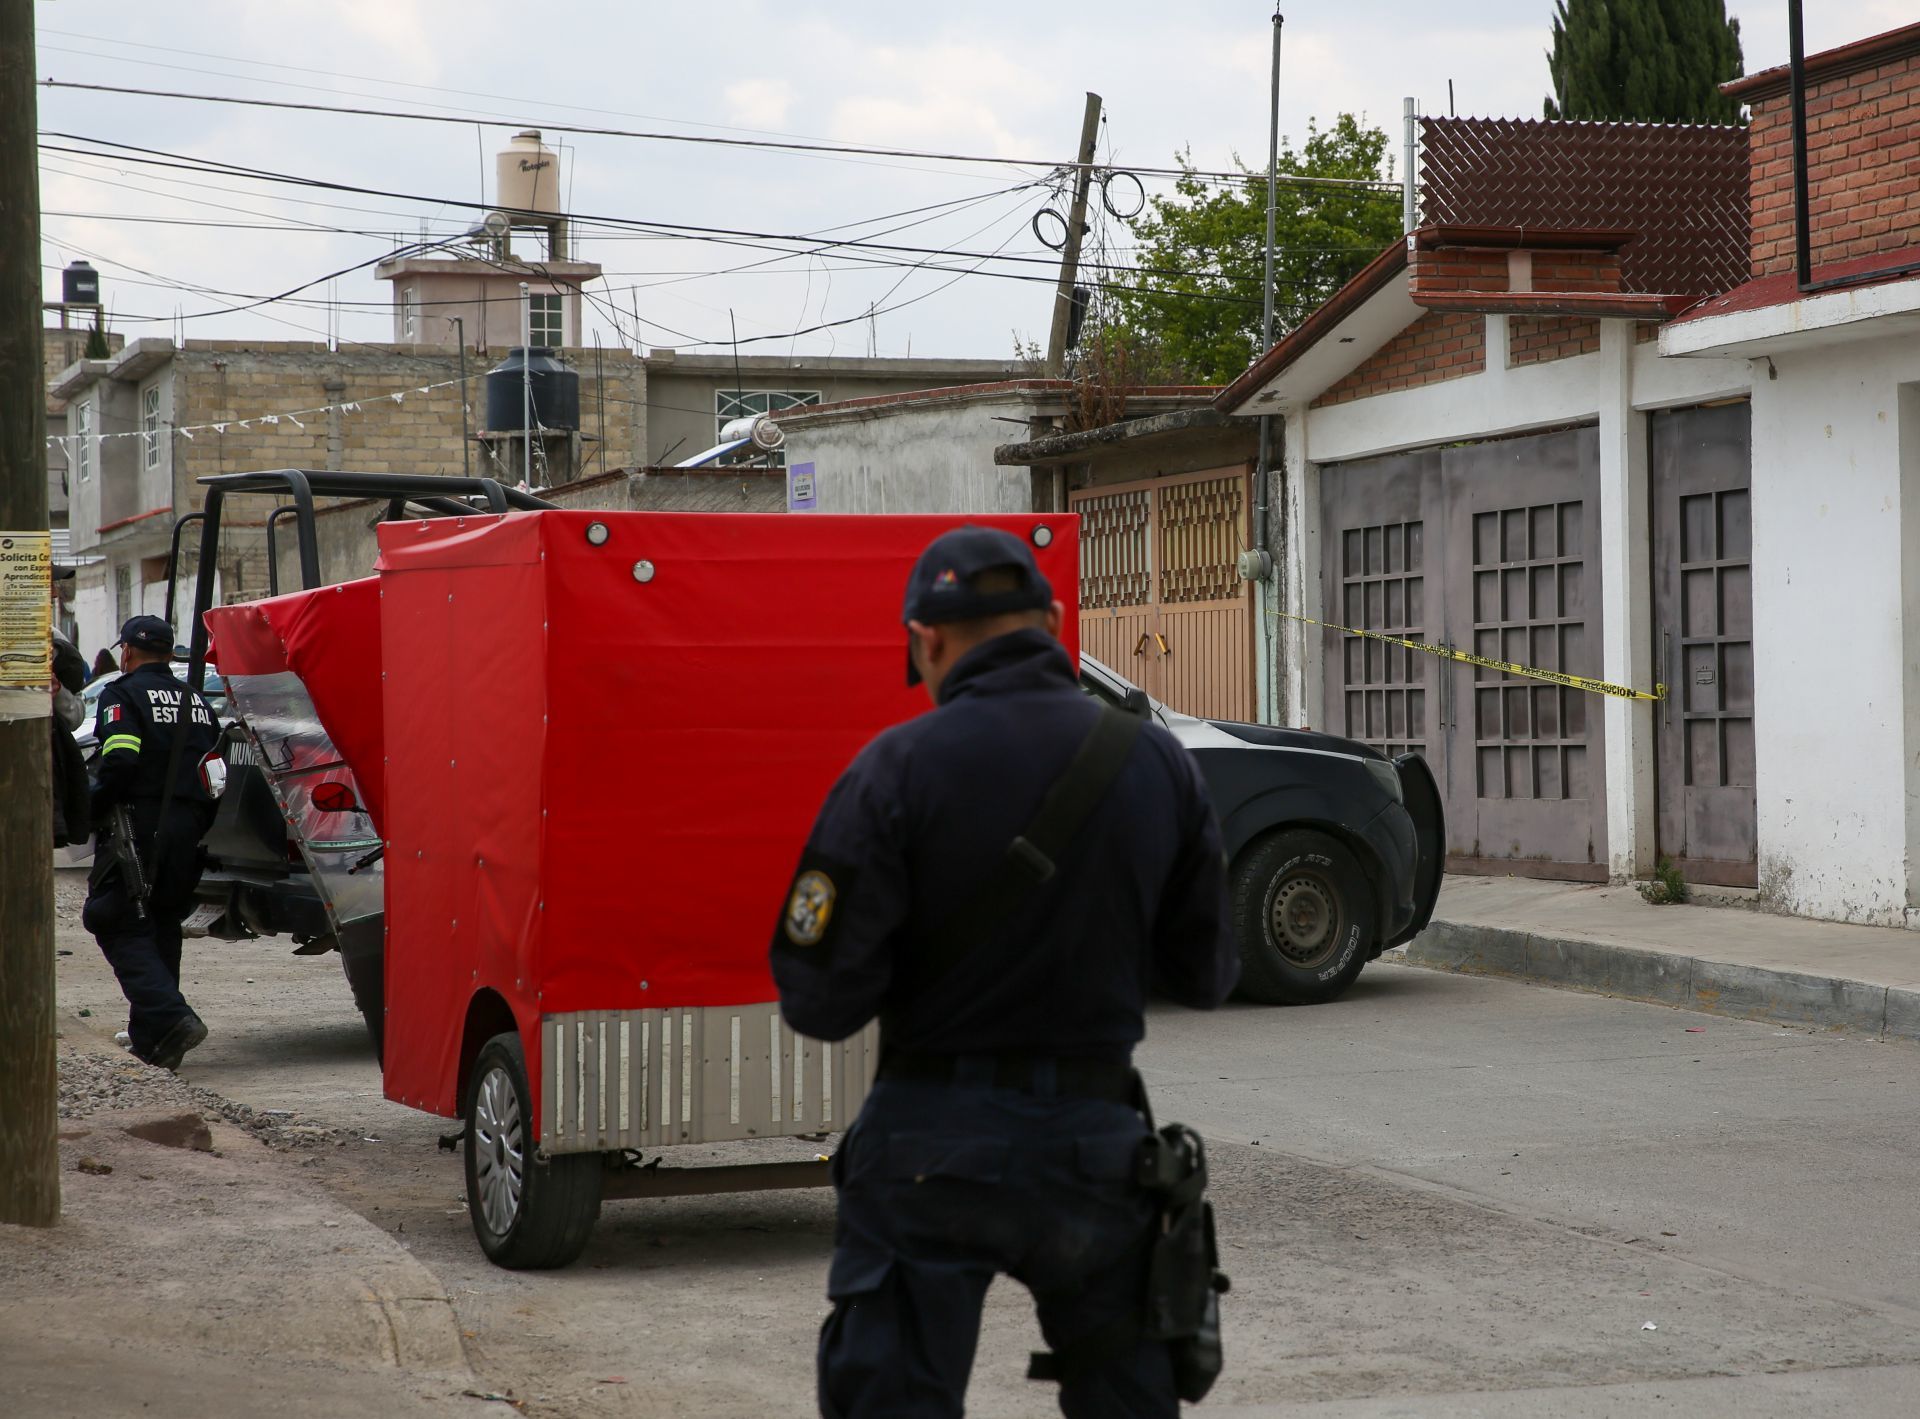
(498, 1151)
(1305, 920)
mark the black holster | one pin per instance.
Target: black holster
(1181, 1308)
(1184, 1280)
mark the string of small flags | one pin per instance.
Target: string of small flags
(187, 431)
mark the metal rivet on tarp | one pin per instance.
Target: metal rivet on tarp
(1042, 535)
(597, 533)
(643, 571)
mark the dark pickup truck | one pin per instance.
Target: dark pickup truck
(1335, 851)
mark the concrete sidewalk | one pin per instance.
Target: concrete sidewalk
(1724, 960)
(196, 1273)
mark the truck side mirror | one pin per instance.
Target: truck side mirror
(1135, 702)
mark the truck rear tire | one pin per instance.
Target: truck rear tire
(529, 1213)
(1304, 917)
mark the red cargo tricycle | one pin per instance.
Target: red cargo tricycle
(542, 780)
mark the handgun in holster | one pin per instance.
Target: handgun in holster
(1184, 1280)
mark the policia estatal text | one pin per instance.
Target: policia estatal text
(140, 715)
(1001, 1135)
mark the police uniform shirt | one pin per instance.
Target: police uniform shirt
(138, 716)
(917, 822)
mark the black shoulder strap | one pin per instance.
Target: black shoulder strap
(1030, 858)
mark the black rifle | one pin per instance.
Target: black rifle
(126, 852)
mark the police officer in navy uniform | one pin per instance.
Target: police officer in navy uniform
(140, 715)
(1001, 1133)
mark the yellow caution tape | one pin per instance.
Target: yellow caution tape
(1556, 677)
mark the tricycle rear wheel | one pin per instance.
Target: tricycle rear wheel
(529, 1213)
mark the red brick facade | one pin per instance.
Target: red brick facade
(1457, 268)
(1863, 163)
(1435, 347)
(1534, 340)
(1576, 271)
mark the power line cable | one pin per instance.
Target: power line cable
(779, 145)
(689, 231)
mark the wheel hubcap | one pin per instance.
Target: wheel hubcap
(1305, 920)
(499, 1163)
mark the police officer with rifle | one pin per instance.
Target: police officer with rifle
(151, 729)
(1000, 882)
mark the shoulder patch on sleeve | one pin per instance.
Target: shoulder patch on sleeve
(110, 715)
(808, 918)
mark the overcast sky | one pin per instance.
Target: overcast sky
(991, 79)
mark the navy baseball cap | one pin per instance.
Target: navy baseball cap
(147, 633)
(941, 590)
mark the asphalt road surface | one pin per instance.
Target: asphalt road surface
(1440, 1196)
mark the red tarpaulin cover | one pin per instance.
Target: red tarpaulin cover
(598, 785)
(330, 638)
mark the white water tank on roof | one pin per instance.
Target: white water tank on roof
(527, 175)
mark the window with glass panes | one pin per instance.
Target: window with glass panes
(731, 404)
(83, 441)
(546, 321)
(150, 426)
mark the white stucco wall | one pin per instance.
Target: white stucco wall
(1836, 628)
(934, 458)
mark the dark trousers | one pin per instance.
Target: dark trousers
(145, 955)
(944, 1186)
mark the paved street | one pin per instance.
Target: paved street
(1443, 1195)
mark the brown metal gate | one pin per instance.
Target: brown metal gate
(1703, 623)
(1491, 547)
(1161, 599)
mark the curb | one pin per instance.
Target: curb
(1741, 992)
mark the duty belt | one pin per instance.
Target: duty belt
(1070, 1077)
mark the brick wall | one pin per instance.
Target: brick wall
(1458, 269)
(230, 382)
(60, 348)
(1534, 340)
(1863, 164)
(1576, 271)
(1435, 347)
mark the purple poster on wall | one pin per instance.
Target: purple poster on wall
(801, 496)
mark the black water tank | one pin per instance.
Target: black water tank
(556, 391)
(80, 284)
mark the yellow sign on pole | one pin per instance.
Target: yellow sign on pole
(26, 610)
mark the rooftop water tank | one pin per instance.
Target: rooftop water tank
(80, 284)
(527, 175)
(555, 389)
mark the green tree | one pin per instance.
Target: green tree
(1194, 300)
(1644, 61)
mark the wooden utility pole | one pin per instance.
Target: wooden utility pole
(29, 1155)
(1070, 253)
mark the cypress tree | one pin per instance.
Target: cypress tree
(1644, 61)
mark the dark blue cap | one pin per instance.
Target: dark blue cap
(941, 588)
(147, 633)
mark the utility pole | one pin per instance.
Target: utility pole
(1070, 253)
(466, 438)
(29, 1154)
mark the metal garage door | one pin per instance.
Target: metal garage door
(1493, 548)
(1161, 599)
(1703, 621)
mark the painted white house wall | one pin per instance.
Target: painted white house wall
(1614, 388)
(1836, 610)
(935, 457)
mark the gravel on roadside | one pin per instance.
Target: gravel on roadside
(92, 1082)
